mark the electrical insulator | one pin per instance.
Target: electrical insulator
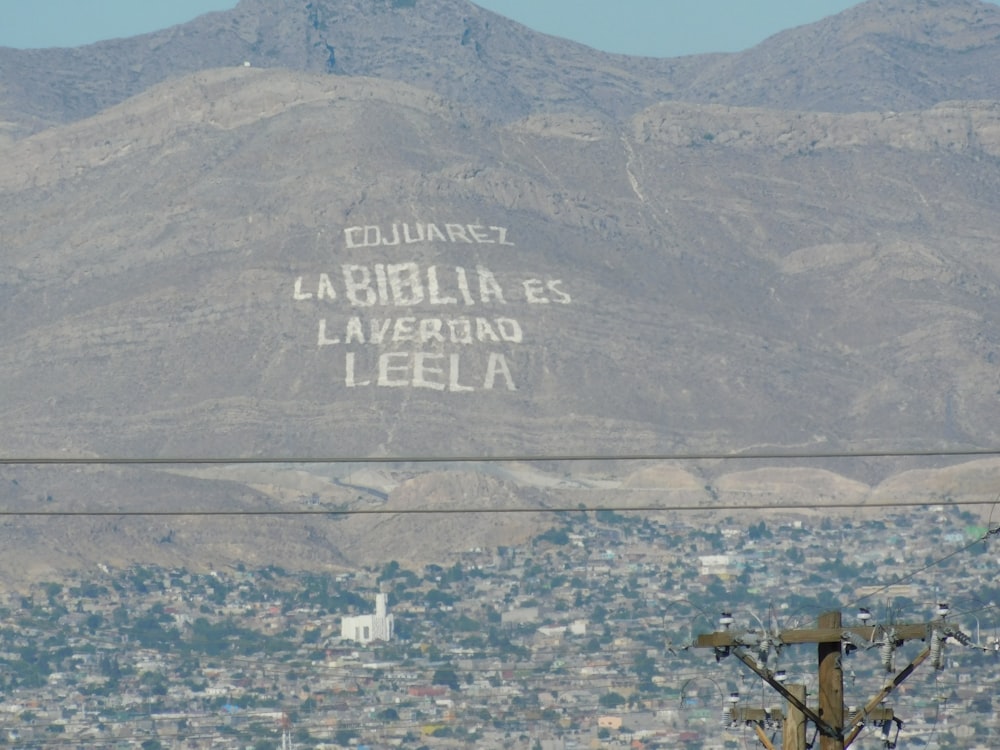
(852, 711)
(764, 651)
(729, 710)
(887, 651)
(864, 615)
(937, 649)
(725, 620)
(943, 609)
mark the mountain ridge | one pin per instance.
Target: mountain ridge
(876, 56)
(474, 57)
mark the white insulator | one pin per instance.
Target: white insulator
(887, 650)
(937, 650)
(764, 651)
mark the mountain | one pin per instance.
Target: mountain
(452, 47)
(881, 55)
(694, 278)
(426, 254)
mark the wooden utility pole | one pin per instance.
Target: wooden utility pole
(831, 683)
(793, 733)
(836, 731)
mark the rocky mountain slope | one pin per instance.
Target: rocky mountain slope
(881, 55)
(238, 265)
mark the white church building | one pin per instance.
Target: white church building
(368, 628)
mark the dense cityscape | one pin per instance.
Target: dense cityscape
(577, 640)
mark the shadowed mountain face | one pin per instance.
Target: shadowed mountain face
(881, 55)
(417, 229)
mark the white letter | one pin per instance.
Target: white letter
(433, 230)
(510, 330)
(453, 384)
(488, 286)
(348, 240)
(375, 234)
(324, 290)
(381, 284)
(463, 285)
(384, 369)
(435, 290)
(419, 368)
(349, 378)
(484, 330)
(502, 231)
(403, 329)
(404, 280)
(377, 332)
(322, 340)
(352, 287)
(534, 292)
(497, 365)
(297, 294)
(461, 331)
(553, 285)
(395, 237)
(406, 234)
(430, 328)
(456, 230)
(479, 235)
(354, 332)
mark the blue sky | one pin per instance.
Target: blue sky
(663, 28)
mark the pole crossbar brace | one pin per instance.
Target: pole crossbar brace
(856, 723)
(816, 719)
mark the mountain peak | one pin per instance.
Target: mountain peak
(452, 47)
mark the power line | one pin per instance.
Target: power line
(512, 458)
(483, 511)
(933, 563)
(907, 576)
